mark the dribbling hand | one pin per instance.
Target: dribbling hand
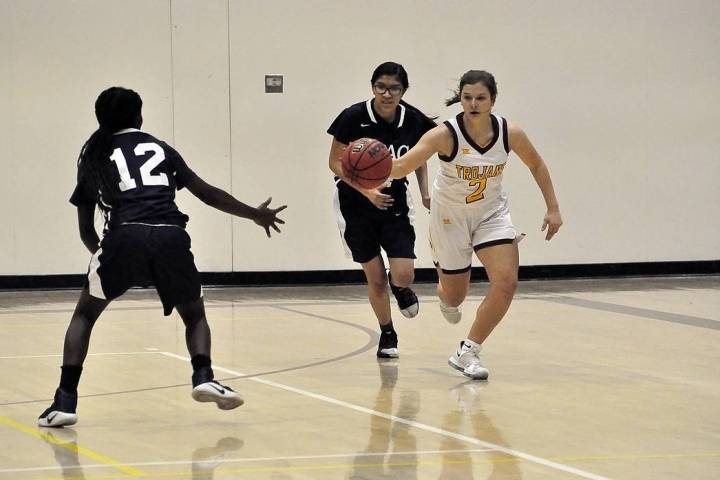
(267, 217)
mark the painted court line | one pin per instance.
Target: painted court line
(81, 451)
(226, 461)
(50, 355)
(411, 423)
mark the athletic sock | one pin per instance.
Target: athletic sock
(70, 377)
(202, 371)
(387, 328)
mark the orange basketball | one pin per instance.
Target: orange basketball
(367, 162)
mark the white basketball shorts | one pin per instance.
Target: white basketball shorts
(456, 232)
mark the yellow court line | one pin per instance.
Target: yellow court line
(82, 451)
(223, 470)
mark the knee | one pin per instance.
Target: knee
(451, 297)
(403, 278)
(505, 286)
(378, 286)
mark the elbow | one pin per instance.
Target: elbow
(207, 195)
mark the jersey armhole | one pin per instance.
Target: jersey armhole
(455, 144)
(506, 142)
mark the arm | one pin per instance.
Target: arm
(422, 178)
(376, 197)
(437, 140)
(86, 226)
(223, 201)
(521, 145)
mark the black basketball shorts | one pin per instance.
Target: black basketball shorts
(139, 255)
(364, 235)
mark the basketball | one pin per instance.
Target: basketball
(367, 162)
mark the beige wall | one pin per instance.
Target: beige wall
(620, 98)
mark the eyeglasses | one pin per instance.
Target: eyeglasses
(381, 89)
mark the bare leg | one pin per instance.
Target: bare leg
(197, 338)
(77, 336)
(402, 271)
(501, 264)
(378, 289)
(77, 340)
(197, 330)
(452, 287)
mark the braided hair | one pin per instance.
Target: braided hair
(115, 109)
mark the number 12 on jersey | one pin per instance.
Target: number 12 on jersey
(126, 181)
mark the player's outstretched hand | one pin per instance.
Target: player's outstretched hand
(552, 222)
(267, 217)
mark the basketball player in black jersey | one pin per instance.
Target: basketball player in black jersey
(132, 177)
(381, 218)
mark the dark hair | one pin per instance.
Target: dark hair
(472, 77)
(115, 108)
(393, 69)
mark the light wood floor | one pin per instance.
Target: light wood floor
(588, 379)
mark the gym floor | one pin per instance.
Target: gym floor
(595, 379)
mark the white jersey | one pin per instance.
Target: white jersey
(472, 175)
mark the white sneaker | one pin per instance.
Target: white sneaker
(467, 360)
(225, 397)
(451, 314)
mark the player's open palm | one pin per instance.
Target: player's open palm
(267, 217)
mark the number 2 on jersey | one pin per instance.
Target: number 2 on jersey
(126, 181)
(478, 193)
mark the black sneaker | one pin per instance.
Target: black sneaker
(387, 347)
(61, 412)
(406, 299)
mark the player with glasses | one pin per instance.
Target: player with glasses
(382, 89)
(372, 220)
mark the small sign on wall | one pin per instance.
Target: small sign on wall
(273, 83)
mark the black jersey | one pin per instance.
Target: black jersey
(361, 120)
(149, 172)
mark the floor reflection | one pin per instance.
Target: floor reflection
(472, 465)
(206, 459)
(389, 439)
(63, 442)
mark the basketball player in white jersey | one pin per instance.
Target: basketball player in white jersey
(469, 209)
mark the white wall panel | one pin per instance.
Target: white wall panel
(619, 97)
(63, 54)
(201, 101)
